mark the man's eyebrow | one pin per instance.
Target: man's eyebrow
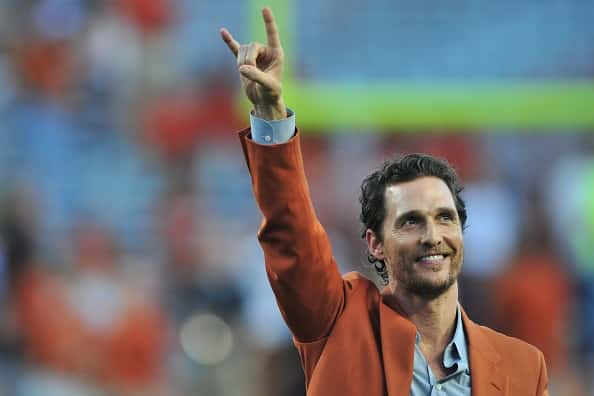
(446, 209)
(415, 212)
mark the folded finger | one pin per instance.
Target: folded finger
(248, 54)
(252, 73)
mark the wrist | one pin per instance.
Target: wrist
(277, 111)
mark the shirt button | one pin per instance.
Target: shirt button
(438, 386)
(267, 138)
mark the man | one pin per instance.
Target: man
(410, 338)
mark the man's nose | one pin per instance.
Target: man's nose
(431, 236)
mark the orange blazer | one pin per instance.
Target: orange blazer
(349, 340)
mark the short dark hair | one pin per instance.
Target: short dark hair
(400, 170)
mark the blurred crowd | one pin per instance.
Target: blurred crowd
(128, 256)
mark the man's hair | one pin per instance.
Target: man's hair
(400, 170)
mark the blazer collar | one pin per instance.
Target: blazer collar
(398, 336)
(485, 375)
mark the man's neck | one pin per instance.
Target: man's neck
(435, 319)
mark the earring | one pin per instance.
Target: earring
(380, 266)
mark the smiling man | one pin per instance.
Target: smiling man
(412, 337)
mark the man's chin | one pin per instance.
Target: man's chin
(429, 290)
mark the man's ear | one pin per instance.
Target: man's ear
(374, 244)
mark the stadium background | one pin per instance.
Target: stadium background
(128, 258)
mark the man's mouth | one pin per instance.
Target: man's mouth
(432, 258)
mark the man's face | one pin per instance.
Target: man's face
(422, 237)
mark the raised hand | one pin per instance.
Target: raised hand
(261, 68)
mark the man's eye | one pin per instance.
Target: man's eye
(410, 221)
(446, 217)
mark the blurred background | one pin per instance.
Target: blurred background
(128, 256)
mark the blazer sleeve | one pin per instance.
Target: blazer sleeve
(543, 379)
(299, 263)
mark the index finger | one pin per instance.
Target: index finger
(272, 35)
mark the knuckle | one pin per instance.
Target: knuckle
(254, 45)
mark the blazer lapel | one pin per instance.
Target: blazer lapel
(485, 376)
(397, 344)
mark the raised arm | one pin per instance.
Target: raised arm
(299, 262)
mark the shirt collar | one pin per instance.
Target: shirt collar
(456, 352)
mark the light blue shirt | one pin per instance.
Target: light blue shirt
(455, 355)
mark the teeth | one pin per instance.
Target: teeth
(432, 257)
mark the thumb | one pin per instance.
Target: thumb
(254, 74)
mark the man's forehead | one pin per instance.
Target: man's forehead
(422, 194)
